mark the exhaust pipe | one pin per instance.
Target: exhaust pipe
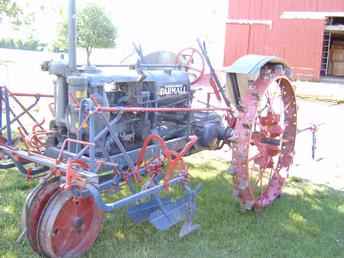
(72, 35)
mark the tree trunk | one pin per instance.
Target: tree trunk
(88, 54)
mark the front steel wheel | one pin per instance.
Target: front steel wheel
(264, 148)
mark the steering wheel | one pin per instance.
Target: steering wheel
(192, 60)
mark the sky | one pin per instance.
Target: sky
(156, 24)
(165, 22)
(171, 24)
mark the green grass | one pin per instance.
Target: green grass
(308, 221)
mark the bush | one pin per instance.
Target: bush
(29, 44)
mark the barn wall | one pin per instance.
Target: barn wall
(298, 41)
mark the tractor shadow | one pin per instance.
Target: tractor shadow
(307, 221)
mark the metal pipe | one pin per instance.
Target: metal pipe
(69, 140)
(107, 207)
(72, 35)
(116, 159)
(143, 66)
(158, 109)
(8, 118)
(1, 99)
(213, 73)
(92, 146)
(38, 95)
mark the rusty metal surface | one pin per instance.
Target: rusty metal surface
(34, 207)
(272, 160)
(68, 226)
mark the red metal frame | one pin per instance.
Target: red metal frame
(72, 177)
(174, 159)
(69, 140)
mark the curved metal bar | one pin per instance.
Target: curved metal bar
(39, 170)
(20, 166)
(108, 207)
(7, 165)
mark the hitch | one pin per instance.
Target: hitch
(314, 129)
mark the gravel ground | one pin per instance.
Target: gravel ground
(328, 168)
(333, 91)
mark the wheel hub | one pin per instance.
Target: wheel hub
(78, 223)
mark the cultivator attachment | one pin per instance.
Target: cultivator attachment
(164, 212)
(140, 212)
(171, 214)
(174, 212)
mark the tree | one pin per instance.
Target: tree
(8, 8)
(60, 43)
(19, 17)
(95, 30)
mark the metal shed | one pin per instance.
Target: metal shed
(308, 34)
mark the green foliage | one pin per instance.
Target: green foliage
(8, 8)
(29, 44)
(20, 20)
(95, 30)
(60, 44)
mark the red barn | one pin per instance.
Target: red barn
(308, 34)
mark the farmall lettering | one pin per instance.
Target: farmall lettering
(169, 90)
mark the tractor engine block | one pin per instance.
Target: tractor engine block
(153, 89)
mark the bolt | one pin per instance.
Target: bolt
(232, 171)
(236, 193)
(77, 223)
(248, 205)
(243, 184)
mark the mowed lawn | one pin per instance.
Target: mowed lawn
(308, 221)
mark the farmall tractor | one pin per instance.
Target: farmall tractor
(129, 130)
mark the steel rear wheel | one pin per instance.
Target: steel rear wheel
(69, 226)
(264, 149)
(34, 205)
